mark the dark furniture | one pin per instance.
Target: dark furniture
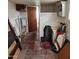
(14, 46)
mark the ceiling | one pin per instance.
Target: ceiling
(32, 2)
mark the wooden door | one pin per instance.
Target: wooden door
(32, 23)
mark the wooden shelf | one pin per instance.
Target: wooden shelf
(65, 52)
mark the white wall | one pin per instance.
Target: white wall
(66, 19)
(47, 18)
(13, 14)
(23, 15)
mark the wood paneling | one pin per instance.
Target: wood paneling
(32, 23)
(16, 54)
(50, 7)
(11, 47)
(65, 52)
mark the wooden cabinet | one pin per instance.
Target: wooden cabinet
(65, 52)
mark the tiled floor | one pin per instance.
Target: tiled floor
(31, 49)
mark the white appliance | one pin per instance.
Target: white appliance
(61, 8)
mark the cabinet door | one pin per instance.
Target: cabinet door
(65, 52)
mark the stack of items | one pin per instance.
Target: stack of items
(47, 39)
(54, 39)
(59, 37)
